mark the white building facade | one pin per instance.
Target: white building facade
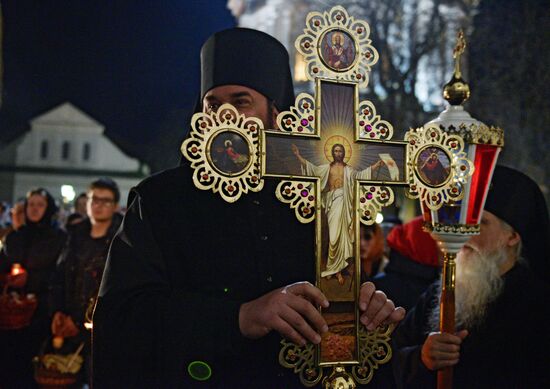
(65, 147)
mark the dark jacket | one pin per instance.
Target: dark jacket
(404, 280)
(80, 268)
(36, 248)
(178, 270)
(509, 350)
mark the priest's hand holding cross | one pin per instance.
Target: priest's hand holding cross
(293, 312)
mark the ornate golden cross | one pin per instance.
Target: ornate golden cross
(336, 162)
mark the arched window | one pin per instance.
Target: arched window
(44, 149)
(65, 150)
(86, 149)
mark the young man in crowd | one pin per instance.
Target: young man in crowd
(80, 266)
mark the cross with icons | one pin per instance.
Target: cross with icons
(337, 164)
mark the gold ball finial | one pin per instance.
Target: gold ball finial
(457, 91)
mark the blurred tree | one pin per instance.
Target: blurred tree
(509, 57)
(414, 39)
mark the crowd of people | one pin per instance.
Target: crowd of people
(192, 292)
(51, 271)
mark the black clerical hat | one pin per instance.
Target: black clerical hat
(241, 56)
(518, 200)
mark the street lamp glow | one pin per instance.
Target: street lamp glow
(68, 193)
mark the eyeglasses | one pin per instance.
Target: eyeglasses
(105, 201)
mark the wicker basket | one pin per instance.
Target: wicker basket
(51, 369)
(52, 379)
(16, 312)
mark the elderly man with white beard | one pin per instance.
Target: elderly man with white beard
(502, 293)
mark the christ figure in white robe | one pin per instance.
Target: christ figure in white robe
(337, 180)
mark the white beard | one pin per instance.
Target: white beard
(478, 282)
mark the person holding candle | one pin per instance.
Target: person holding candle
(35, 247)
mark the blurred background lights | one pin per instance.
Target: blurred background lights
(68, 193)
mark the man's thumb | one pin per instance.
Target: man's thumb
(462, 334)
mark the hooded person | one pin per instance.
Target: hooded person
(37, 244)
(36, 247)
(517, 200)
(197, 292)
(499, 301)
(413, 263)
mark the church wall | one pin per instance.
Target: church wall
(9, 153)
(77, 153)
(103, 154)
(110, 157)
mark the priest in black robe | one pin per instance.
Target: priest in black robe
(502, 340)
(197, 292)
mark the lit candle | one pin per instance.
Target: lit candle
(16, 269)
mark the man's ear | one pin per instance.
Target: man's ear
(274, 114)
(513, 239)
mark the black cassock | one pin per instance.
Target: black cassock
(511, 349)
(179, 269)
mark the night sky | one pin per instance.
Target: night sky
(128, 64)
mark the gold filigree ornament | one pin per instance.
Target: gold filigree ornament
(302, 361)
(371, 200)
(463, 229)
(301, 117)
(223, 148)
(374, 350)
(485, 135)
(479, 134)
(301, 196)
(336, 46)
(371, 124)
(438, 167)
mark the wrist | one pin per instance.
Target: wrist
(242, 319)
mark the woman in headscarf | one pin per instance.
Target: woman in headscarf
(36, 247)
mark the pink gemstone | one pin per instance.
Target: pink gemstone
(304, 193)
(368, 127)
(369, 196)
(304, 122)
